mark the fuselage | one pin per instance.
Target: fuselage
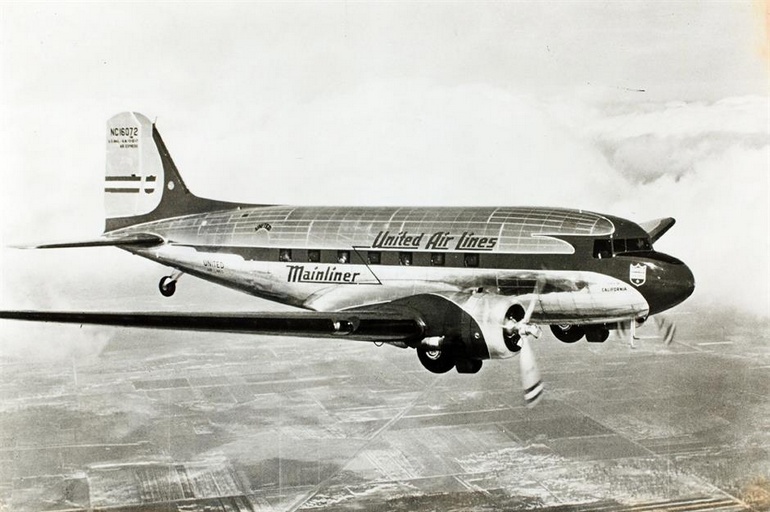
(596, 268)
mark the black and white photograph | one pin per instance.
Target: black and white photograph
(385, 256)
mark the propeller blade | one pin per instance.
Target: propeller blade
(627, 331)
(539, 285)
(530, 374)
(666, 328)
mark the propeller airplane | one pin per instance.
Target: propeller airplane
(458, 285)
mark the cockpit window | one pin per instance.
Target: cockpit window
(620, 245)
(602, 249)
(609, 248)
(638, 244)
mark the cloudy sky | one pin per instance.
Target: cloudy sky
(638, 109)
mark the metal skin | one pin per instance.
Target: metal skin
(452, 274)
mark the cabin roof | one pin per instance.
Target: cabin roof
(515, 229)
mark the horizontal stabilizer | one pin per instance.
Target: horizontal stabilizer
(364, 326)
(139, 239)
(657, 228)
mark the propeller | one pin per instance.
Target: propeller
(530, 374)
(627, 330)
(666, 330)
(524, 330)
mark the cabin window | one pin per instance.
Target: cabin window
(313, 255)
(437, 259)
(471, 260)
(343, 256)
(284, 255)
(374, 257)
(618, 245)
(405, 258)
(602, 249)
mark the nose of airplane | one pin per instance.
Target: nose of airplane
(683, 284)
(674, 283)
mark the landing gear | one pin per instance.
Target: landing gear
(468, 365)
(598, 334)
(436, 361)
(167, 286)
(567, 333)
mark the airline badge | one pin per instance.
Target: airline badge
(637, 274)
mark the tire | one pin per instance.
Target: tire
(567, 333)
(468, 365)
(597, 335)
(166, 286)
(436, 361)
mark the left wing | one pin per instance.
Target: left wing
(136, 239)
(374, 326)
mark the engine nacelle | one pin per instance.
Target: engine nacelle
(472, 326)
(493, 321)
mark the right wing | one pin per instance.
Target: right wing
(657, 228)
(374, 326)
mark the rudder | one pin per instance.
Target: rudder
(134, 174)
(142, 183)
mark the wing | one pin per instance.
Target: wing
(375, 326)
(138, 239)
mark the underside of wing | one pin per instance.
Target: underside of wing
(374, 326)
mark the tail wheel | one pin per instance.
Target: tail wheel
(436, 361)
(167, 286)
(567, 333)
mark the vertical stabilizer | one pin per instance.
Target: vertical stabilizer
(134, 179)
(142, 184)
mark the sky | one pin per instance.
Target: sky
(637, 109)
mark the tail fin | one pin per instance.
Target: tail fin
(142, 184)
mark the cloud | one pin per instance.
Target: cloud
(671, 139)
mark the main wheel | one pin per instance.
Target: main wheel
(597, 334)
(436, 361)
(468, 365)
(567, 333)
(167, 286)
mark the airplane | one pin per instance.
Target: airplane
(458, 285)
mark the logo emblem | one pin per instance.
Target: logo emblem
(637, 274)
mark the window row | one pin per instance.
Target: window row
(437, 259)
(609, 247)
